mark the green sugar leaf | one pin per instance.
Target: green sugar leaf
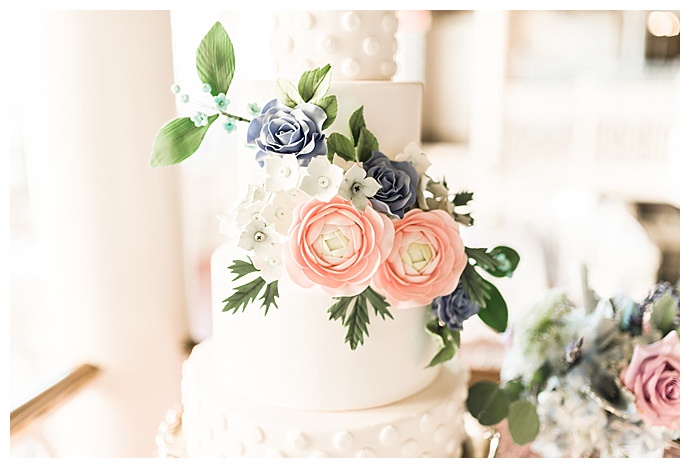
(314, 84)
(366, 143)
(357, 322)
(449, 342)
(487, 403)
(243, 295)
(462, 198)
(495, 311)
(270, 296)
(339, 308)
(378, 303)
(177, 140)
(215, 60)
(475, 286)
(523, 421)
(240, 268)
(330, 106)
(357, 123)
(339, 144)
(287, 93)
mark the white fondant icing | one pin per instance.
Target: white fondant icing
(298, 433)
(426, 423)
(366, 452)
(367, 37)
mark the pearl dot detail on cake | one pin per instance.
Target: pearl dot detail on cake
(388, 68)
(320, 454)
(306, 20)
(389, 23)
(343, 440)
(452, 445)
(441, 434)
(234, 448)
(219, 422)
(426, 422)
(282, 43)
(388, 436)
(371, 45)
(350, 67)
(275, 453)
(409, 448)
(256, 434)
(350, 20)
(365, 452)
(328, 44)
(297, 440)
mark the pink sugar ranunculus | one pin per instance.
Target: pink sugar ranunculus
(653, 376)
(335, 246)
(427, 259)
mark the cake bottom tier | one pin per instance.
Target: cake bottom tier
(219, 423)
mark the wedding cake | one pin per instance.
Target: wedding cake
(339, 297)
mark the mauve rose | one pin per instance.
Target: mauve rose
(281, 130)
(335, 246)
(653, 376)
(454, 308)
(398, 180)
(427, 259)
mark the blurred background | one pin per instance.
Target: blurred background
(565, 124)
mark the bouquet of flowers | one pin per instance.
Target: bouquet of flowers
(590, 383)
(330, 210)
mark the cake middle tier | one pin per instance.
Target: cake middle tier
(295, 357)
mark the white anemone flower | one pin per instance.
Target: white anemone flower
(258, 236)
(413, 154)
(248, 209)
(269, 262)
(282, 172)
(322, 179)
(278, 213)
(358, 188)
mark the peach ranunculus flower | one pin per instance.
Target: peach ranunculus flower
(653, 376)
(335, 246)
(427, 259)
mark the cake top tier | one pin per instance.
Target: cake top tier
(360, 45)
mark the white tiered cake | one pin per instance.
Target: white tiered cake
(361, 269)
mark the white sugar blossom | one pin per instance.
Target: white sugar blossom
(322, 179)
(258, 236)
(358, 188)
(282, 172)
(269, 262)
(248, 209)
(279, 211)
(413, 154)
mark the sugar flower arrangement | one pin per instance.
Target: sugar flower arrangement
(332, 211)
(590, 383)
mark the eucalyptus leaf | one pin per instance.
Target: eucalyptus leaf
(448, 340)
(508, 260)
(523, 421)
(339, 144)
(329, 104)
(487, 402)
(215, 60)
(495, 312)
(287, 93)
(314, 84)
(177, 140)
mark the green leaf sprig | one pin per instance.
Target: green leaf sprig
(359, 146)
(179, 138)
(357, 320)
(311, 88)
(248, 292)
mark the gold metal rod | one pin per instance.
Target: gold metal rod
(51, 397)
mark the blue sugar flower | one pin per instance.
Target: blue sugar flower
(398, 180)
(200, 119)
(280, 130)
(453, 309)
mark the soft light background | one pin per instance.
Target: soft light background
(565, 124)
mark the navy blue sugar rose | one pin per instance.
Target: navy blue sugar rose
(280, 130)
(455, 308)
(398, 180)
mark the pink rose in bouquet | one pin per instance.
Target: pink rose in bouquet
(335, 246)
(427, 259)
(653, 376)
